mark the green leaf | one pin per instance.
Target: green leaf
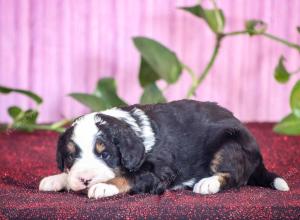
(30, 117)
(295, 99)
(26, 120)
(104, 97)
(281, 74)
(14, 112)
(254, 27)
(213, 17)
(162, 60)
(147, 75)
(106, 90)
(212, 20)
(91, 101)
(290, 125)
(152, 95)
(30, 94)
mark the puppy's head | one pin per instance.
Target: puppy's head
(96, 148)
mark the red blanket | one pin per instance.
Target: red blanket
(26, 158)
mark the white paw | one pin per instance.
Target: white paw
(101, 190)
(209, 185)
(53, 183)
(281, 184)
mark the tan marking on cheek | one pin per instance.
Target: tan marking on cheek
(100, 147)
(121, 183)
(71, 147)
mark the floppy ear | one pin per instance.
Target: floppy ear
(59, 156)
(131, 148)
(61, 147)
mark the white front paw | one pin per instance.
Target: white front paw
(209, 185)
(101, 190)
(53, 183)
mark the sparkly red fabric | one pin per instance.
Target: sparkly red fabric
(26, 158)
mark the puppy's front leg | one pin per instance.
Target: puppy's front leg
(155, 181)
(112, 187)
(147, 182)
(54, 183)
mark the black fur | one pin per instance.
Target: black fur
(188, 134)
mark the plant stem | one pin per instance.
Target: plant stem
(270, 36)
(60, 123)
(197, 81)
(48, 128)
(235, 33)
(203, 75)
(189, 71)
(283, 41)
(37, 127)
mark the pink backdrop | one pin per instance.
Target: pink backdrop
(56, 47)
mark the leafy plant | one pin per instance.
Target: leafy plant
(105, 96)
(157, 62)
(290, 124)
(27, 119)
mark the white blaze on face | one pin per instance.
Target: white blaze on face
(88, 167)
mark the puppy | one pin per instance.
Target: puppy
(150, 148)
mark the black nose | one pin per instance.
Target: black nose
(85, 181)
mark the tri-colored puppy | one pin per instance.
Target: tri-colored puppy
(150, 148)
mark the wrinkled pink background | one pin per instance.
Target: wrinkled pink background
(56, 47)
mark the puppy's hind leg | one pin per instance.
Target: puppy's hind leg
(229, 168)
(211, 185)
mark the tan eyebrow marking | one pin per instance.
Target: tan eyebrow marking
(100, 147)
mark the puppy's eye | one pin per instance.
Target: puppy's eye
(105, 155)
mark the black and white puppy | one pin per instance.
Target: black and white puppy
(150, 148)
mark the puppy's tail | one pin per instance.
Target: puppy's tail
(262, 177)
